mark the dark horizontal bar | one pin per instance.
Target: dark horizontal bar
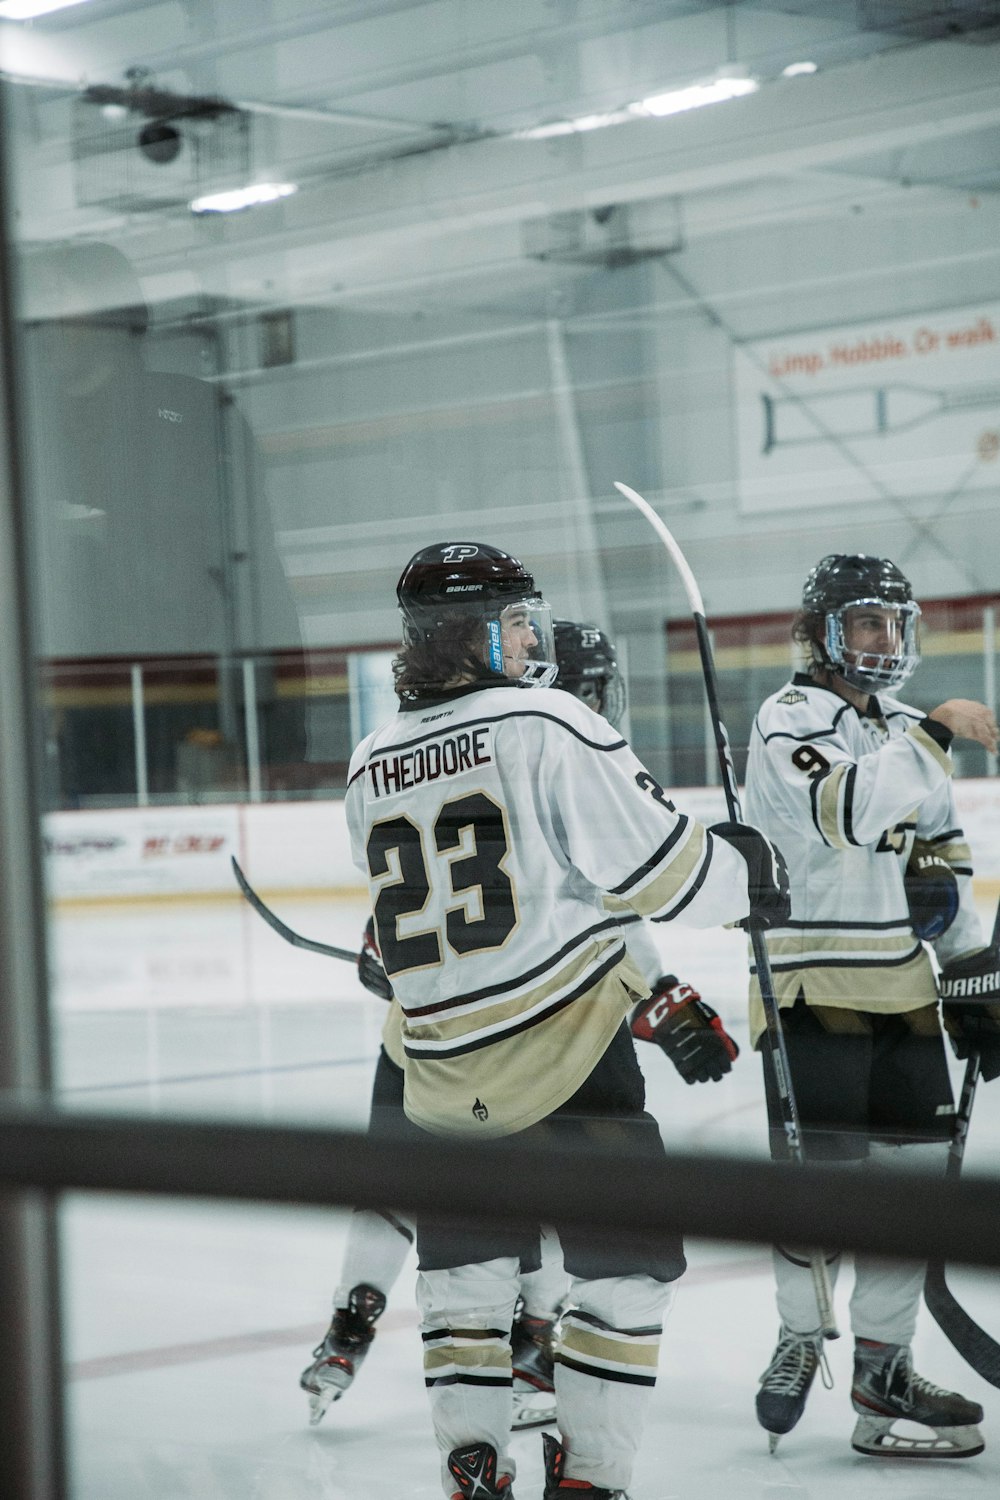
(614, 1197)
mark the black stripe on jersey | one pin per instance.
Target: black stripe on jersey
(517, 713)
(904, 713)
(491, 990)
(962, 870)
(693, 888)
(872, 961)
(598, 1374)
(656, 858)
(816, 734)
(949, 837)
(846, 926)
(849, 782)
(814, 790)
(431, 1380)
(459, 1049)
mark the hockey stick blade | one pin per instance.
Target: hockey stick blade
(777, 1050)
(295, 938)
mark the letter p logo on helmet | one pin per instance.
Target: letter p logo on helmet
(458, 553)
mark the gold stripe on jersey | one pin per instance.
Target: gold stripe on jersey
(832, 805)
(821, 946)
(480, 1021)
(928, 742)
(521, 1076)
(883, 986)
(392, 1035)
(675, 880)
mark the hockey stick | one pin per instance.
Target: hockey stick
(295, 938)
(972, 1342)
(775, 1033)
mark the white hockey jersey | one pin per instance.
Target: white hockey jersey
(843, 794)
(489, 826)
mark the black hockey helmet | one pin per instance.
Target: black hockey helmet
(453, 586)
(588, 668)
(849, 581)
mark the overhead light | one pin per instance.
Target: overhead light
(799, 69)
(27, 10)
(673, 102)
(676, 101)
(575, 126)
(246, 197)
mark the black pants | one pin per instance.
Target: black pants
(606, 1112)
(885, 1080)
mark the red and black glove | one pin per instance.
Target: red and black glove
(370, 970)
(677, 1019)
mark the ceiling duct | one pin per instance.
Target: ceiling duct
(916, 20)
(603, 237)
(141, 148)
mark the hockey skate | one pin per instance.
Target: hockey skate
(534, 1375)
(474, 1470)
(886, 1390)
(558, 1488)
(785, 1383)
(338, 1358)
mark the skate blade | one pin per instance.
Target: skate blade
(320, 1404)
(874, 1436)
(773, 1439)
(526, 1414)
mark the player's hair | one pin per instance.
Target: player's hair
(807, 631)
(428, 668)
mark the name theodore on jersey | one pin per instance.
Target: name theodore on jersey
(398, 771)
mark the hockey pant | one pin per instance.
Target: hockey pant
(886, 1294)
(605, 1364)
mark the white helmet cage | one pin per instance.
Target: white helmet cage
(867, 669)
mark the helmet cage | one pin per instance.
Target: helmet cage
(870, 670)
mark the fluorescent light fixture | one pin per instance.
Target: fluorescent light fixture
(799, 69)
(676, 101)
(673, 102)
(246, 197)
(577, 126)
(27, 10)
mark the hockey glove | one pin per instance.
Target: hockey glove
(677, 1019)
(931, 892)
(767, 875)
(370, 970)
(970, 1007)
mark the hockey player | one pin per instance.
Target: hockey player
(489, 821)
(674, 1017)
(845, 777)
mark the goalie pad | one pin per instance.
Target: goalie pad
(370, 970)
(970, 1007)
(931, 892)
(677, 1019)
